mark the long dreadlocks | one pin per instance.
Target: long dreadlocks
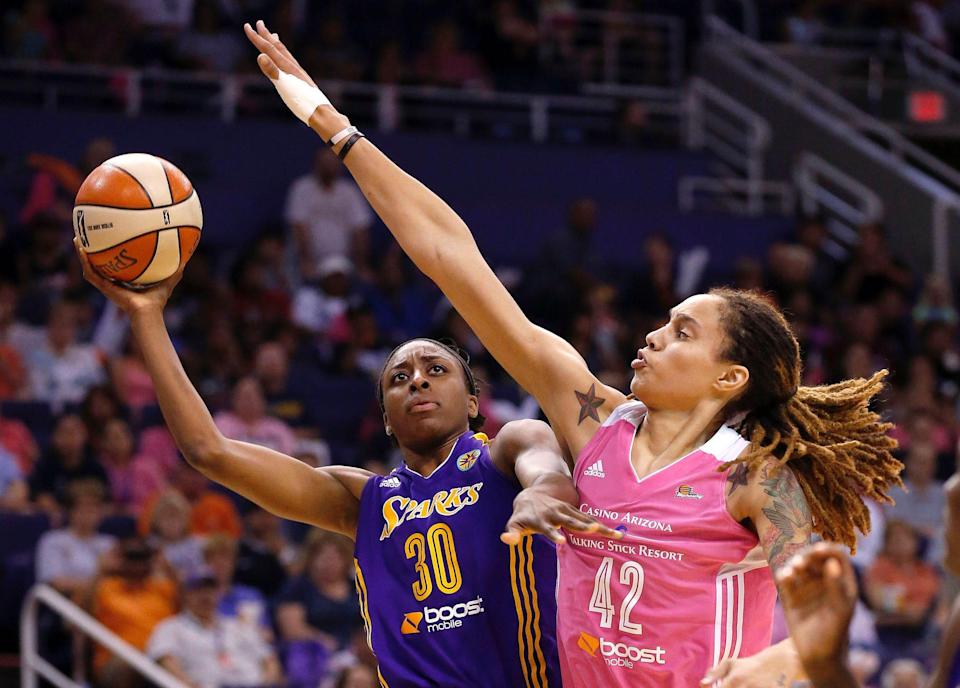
(839, 450)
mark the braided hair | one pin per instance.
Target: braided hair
(462, 356)
(837, 447)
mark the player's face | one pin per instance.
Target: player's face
(425, 396)
(680, 366)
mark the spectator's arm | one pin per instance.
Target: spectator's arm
(272, 673)
(952, 525)
(172, 664)
(292, 624)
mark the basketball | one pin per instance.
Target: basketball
(137, 218)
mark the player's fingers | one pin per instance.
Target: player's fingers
(716, 674)
(259, 42)
(268, 66)
(594, 527)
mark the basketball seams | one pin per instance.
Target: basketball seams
(156, 247)
(124, 207)
(134, 178)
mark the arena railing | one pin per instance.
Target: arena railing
(737, 138)
(748, 15)
(819, 105)
(926, 61)
(538, 117)
(33, 666)
(823, 186)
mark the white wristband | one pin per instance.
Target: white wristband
(342, 134)
(299, 96)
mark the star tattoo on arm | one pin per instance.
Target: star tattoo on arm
(589, 403)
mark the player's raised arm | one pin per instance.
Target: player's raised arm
(952, 525)
(441, 245)
(327, 497)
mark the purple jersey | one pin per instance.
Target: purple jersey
(445, 602)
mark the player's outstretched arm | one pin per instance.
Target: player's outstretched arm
(327, 498)
(528, 450)
(819, 591)
(441, 245)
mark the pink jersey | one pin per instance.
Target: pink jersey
(686, 587)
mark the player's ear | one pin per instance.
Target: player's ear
(473, 405)
(386, 425)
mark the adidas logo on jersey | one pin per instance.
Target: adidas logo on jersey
(390, 482)
(596, 470)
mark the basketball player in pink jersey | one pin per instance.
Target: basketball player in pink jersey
(717, 470)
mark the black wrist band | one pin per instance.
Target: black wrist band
(349, 144)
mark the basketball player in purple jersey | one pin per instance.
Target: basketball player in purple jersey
(444, 601)
(692, 470)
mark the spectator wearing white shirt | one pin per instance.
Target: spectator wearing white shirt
(61, 370)
(922, 501)
(204, 649)
(327, 214)
(69, 558)
(317, 306)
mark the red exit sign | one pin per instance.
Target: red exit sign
(927, 107)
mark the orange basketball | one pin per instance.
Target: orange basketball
(138, 218)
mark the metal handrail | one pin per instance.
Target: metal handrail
(748, 11)
(32, 664)
(810, 168)
(807, 92)
(923, 59)
(385, 104)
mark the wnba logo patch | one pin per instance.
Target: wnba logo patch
(465, 461)
(687, 492)
(588, 644)
(411, 623)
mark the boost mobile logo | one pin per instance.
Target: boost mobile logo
(620, 654)
(441, 618)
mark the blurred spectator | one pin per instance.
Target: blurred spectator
(100, 405)
(100, 35)
(904, 673)
(922, 501)
(320, 302)
(357, 653)
(206, 649)
(212, 511)
(331, 56)
(401, 308)
(16, 438)
(272, 369)
(445, 63)
(68, 459)
(208, 45)
(361, 350)
(510, 45)
(652, 292)
(873, 268)
(30, 33)
(14, 495)
(357, 676)
(131, 601)
(319, 604)
(936, 303)
(13, 374)
(50, 197)
(70, 558)
(804, 26)
(170, 534)
(62, 369)
(902, 591)
(248, 420)
(327, 214)
(262, 553)
(257, 308)
(131, 380)
(133, 479)
(237, 601)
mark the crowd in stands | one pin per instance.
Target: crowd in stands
(285, 344)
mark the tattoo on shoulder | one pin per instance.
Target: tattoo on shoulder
(589, 403)
(788, 513)
(738, 477)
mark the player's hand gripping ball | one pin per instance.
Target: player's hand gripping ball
(138, 219)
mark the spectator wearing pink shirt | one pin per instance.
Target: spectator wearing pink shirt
(131, 379)
(133, 479)
(248, 421)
